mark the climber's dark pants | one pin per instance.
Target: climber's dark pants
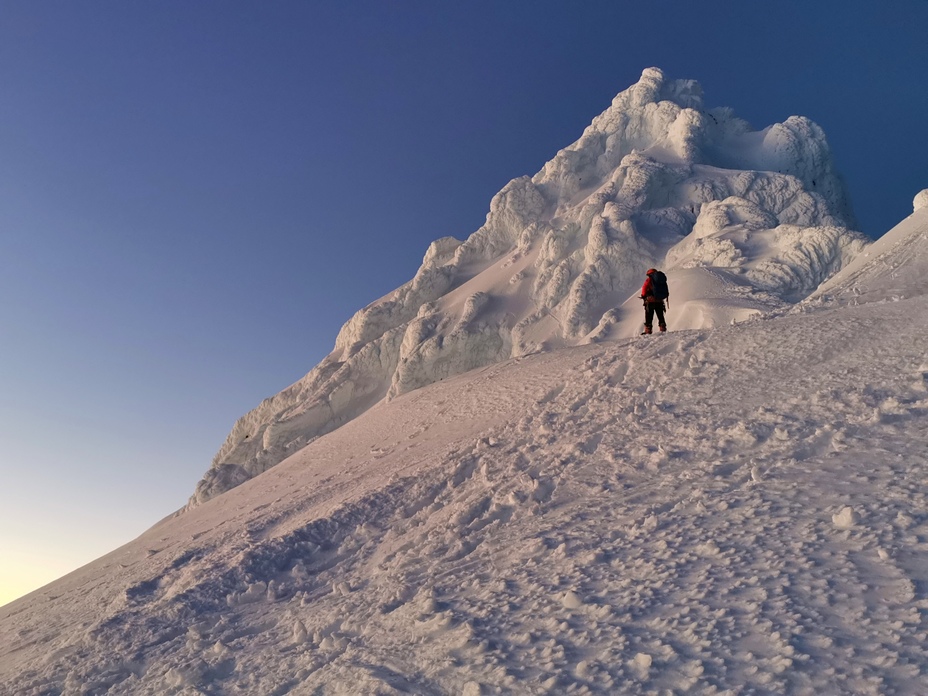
(652, 308)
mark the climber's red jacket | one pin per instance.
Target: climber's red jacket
(646, 290)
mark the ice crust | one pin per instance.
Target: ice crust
(743, 221)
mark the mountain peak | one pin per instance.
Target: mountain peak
(653, 87)
(744, 221)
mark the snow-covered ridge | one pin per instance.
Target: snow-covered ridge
(752, 221)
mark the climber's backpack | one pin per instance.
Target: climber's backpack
(659, 285)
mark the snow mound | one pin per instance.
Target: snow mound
(893, 268)
(656, 180)
(846, 518)
(921, 200)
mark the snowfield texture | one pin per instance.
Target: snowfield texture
(740, 509)
(742, 221)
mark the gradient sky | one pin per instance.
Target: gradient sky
(194, 196)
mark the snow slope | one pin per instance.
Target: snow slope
(892, 268)
(739, 509)
(656, 180)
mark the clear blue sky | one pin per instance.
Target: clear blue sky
(194, 196)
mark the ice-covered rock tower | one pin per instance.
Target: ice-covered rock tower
(748, 219)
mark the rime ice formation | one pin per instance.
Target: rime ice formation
(750, 220)
(921, 200)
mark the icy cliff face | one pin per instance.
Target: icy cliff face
(750, 219)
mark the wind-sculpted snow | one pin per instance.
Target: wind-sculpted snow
(731, 510)
(789, 261)
(656, 180)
